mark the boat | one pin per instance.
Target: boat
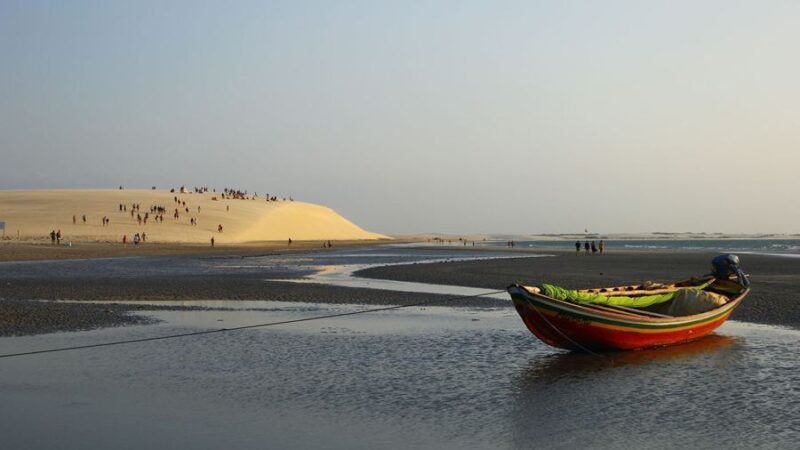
(605, 327)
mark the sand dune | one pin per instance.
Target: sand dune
(35, 213)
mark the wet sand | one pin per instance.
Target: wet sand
(774, 300)
(44, 250)
(25, 306)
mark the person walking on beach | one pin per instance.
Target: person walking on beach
(58, 237)
(74, 219)
(84, 218)
(290, 241)
(124, 239)
(53, 237)
(602, 246)
(594, 248)
(144, 236)
(586, 247)
(577, 248)
(136, 239)
(219, 228)
(212, 241)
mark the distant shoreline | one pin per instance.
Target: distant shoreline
(42, 250)
(33, 250)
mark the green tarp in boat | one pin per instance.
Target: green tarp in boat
(642, 301)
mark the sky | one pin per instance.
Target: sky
(419, 116)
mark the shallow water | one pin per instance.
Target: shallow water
(416, 378)
(431, 377)
(343, 275)
(272, 266)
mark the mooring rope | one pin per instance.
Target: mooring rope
(557, 330)
(245, 327)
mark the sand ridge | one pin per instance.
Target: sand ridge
(35, 213)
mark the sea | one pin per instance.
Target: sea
(758, 246)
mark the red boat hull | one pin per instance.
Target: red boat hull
(576, 327)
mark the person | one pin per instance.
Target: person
(227, 207)
(329, 244)
(53, 237)
(219, 228)
(212, 241)
(84, 218)
(594, 248)
(124, 239)
(144, 236)
(602, 246)
(586, 247)
(290, 241)
(577, 248)
(74, 219)
(58, 237)
(136, 239)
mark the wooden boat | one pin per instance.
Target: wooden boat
(590, 327)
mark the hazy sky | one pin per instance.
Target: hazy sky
(514, 117)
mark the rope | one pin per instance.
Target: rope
(245, 327)
(565, 336)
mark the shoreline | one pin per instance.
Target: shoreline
(11, 251)
(772, 302)
(42, 250)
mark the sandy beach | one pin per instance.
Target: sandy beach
(190, 217)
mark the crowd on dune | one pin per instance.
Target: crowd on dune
(155, 212)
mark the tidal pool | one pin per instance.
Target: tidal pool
(415, 378)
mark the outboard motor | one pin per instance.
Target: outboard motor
(726, 267)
